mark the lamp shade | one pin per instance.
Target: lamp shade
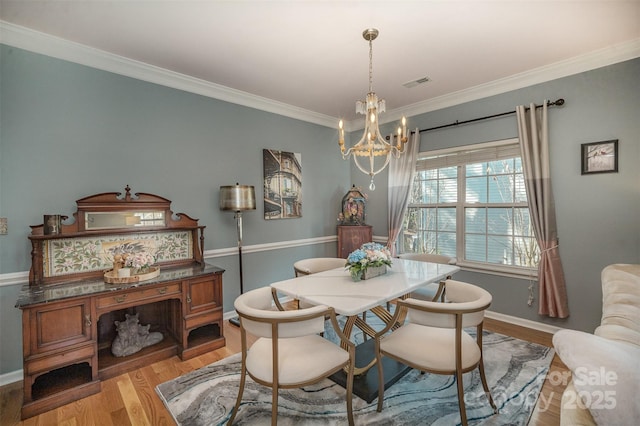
(237, 197)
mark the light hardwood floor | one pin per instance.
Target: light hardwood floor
(130, 399)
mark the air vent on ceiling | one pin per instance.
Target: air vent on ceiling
(414, 83)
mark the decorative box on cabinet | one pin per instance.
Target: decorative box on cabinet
(351, 238)
(68, 318)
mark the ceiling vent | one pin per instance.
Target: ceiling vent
(414, 83)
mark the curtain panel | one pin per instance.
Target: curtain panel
(534, 144)
(401, 174)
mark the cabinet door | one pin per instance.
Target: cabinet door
(351, 238)
(204, 294)
(59, 325)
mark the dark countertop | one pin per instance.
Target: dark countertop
(32, 295)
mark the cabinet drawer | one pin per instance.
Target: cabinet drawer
(51, 362)
(138, 296)
(203, 319)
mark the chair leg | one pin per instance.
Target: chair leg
(274, 406)
(350, 394)
(483, 378)
(243, 377)
(463, 411)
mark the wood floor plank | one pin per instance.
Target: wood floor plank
(152, 405)
(77, 412)
(99, 410)
(111, 397)
(131, 400)
(132, 403)
(120, 417)
(10, 403)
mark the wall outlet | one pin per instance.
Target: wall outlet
(3, 226)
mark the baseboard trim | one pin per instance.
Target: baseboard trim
(535, 325)
(11, 377)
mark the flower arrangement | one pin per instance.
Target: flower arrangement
(368, 255)
(140, 261)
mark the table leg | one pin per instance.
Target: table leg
(365, 382)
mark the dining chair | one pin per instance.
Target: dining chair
(289, 352)
(314, 265)
(433, 291)
(433, 338)
(317, 264)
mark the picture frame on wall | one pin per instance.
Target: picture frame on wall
(599, 157)
(282, 184)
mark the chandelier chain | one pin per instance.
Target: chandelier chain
(370, 65)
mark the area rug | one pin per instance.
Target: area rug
(515, 372)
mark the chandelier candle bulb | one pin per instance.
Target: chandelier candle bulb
(404, 127)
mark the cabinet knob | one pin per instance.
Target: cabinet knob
(87, 320)
(120, 299)
(188, 298)
(162, 290)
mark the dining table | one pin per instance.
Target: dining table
(337, 289)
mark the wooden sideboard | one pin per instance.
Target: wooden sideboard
(351, 238)
(68, 318)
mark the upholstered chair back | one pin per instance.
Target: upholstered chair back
(257, 314)
(317, 264)
(461, 297)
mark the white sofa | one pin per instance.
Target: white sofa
(605, 366)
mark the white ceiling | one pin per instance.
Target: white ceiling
(311, 56)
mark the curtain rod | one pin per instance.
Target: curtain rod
(559, 102)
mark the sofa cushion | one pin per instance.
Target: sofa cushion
(620, 303)
(605, 374)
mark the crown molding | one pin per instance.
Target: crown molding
(45, 44)
(56, 47)
(576, 65)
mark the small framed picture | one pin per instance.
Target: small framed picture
(600, 157)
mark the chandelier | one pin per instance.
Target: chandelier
(372, 146)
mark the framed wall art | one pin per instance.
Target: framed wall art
(282, 184)
(600, 157)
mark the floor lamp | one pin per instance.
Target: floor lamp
(238, 198)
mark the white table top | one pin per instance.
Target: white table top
(335, 287)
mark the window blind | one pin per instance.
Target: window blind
(472, 154)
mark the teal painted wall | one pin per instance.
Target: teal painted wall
(68, 131)
(598, 216)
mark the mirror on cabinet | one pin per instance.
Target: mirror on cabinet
(118, 220)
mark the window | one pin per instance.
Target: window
(470, 203)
